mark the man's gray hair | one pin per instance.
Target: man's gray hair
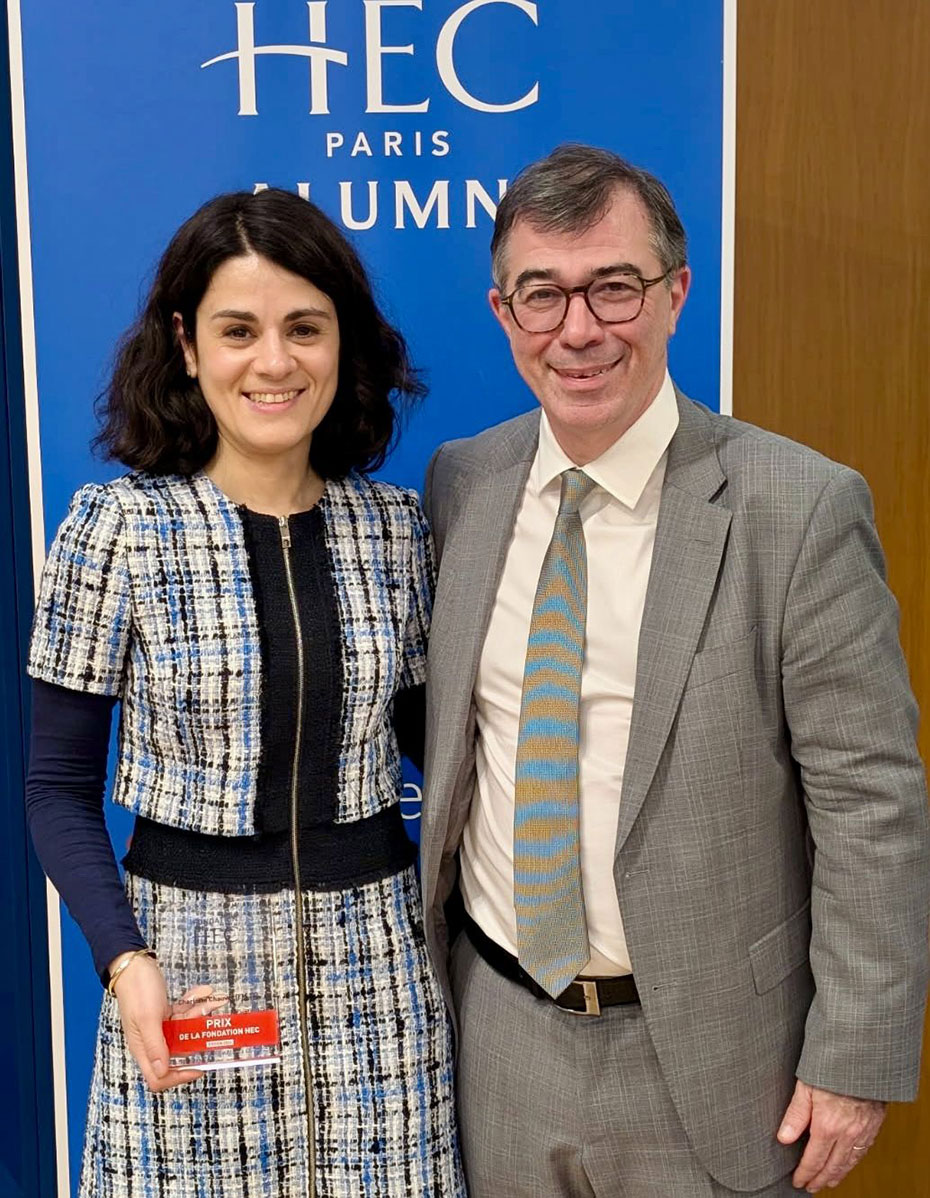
(571, 189)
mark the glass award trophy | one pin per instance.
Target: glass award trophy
(227, 1021)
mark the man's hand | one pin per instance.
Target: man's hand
(841, 1131)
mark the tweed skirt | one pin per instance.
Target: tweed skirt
(380, 1048)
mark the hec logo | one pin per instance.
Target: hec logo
(321, 57)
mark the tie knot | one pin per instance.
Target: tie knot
(576, 486)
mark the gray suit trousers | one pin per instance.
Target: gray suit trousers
(555, 1105)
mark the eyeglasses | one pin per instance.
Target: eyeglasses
(541, 307)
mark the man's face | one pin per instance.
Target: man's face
(593, 379)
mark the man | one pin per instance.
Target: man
(670, 746)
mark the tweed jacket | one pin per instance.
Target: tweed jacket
(147, 595)
(772, 857)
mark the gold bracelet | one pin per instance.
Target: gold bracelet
(123, 964)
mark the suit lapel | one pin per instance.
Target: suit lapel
(475, 549)
(472, 561)
(691, 535)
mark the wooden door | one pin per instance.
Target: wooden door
(832, 313)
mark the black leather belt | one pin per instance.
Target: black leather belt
(585, 996)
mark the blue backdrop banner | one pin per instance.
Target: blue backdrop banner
(404, 120)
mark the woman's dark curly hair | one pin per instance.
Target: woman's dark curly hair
(153, 415)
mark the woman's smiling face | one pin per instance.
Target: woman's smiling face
(266, 355)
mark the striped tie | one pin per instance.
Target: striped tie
(552, 936)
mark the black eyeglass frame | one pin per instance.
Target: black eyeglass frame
(583, 290)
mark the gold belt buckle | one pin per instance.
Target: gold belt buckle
(592, 1004)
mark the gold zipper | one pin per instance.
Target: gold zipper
(295, 862)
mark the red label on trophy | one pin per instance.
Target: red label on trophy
(247, 1029)
(222, 1041)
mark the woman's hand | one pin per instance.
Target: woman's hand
(143, 1005)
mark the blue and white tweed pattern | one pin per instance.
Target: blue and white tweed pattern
(380, 1045)
(147, 595)
(385, 622)
(552, 933)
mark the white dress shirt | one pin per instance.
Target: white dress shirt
(619, 520)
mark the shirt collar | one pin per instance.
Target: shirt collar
(624, 469)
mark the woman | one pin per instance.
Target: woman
(259, 608)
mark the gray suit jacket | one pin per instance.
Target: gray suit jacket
(772, 850)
